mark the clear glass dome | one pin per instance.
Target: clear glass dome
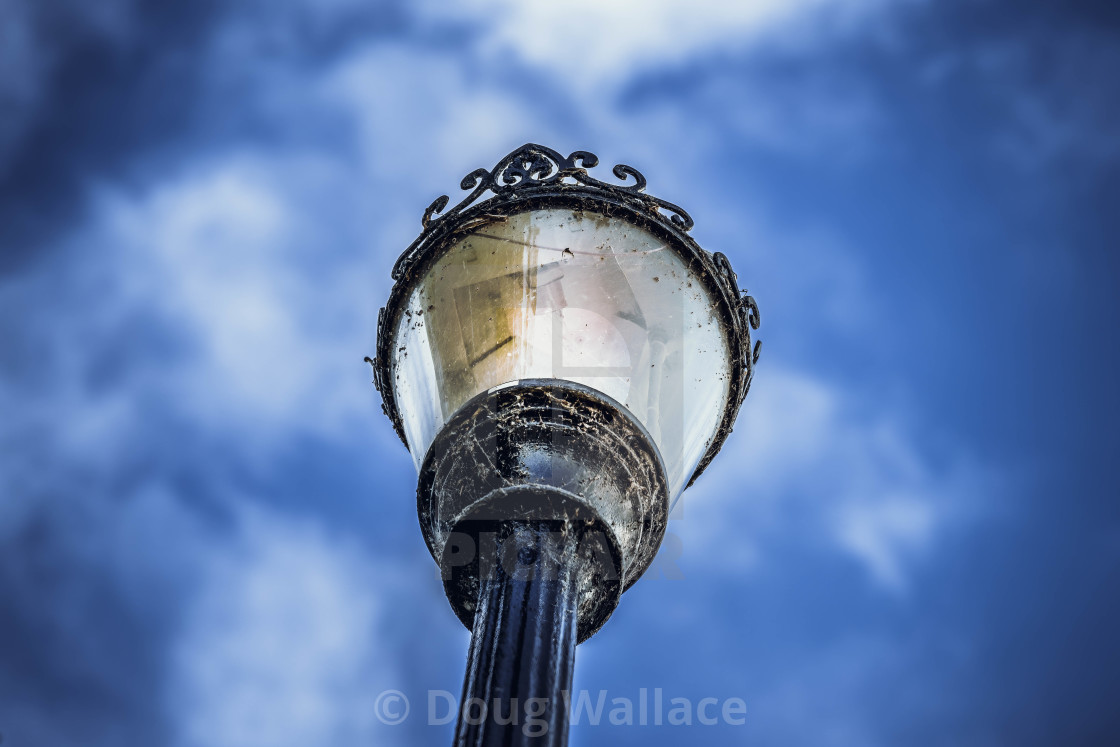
(573, 295)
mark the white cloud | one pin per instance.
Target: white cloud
(595, 43)
(279, 646)
(883, 531)
(812, 462)
(232, 253)
(419, 113)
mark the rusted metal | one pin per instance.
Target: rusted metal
(535, 177)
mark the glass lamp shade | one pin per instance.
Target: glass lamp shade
(571, 295)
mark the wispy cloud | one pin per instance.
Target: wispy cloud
(811, 463)
(598, 45)
(268, 306)
(281, 645)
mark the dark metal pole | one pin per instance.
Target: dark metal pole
(519, 669)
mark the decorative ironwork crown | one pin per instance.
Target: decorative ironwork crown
(532, 167)
(535, 165)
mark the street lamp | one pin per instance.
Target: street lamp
(562, 360)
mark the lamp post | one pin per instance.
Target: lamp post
(562, 360)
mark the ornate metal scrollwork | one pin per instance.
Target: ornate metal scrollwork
(747, 311)
(535, 165)
(532, 166)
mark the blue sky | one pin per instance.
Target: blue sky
(207, 527)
